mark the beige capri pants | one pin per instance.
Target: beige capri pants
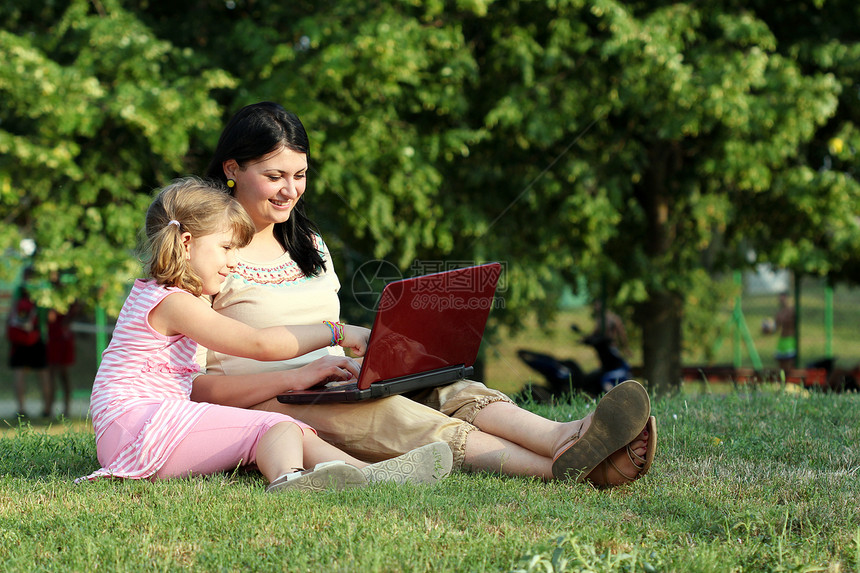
(378, 429)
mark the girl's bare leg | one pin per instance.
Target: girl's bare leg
(317, 450)
(285, 448)
(280, 451)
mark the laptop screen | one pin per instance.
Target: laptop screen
(429, 322)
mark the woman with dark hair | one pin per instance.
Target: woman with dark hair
(254, 133)
(286, 274)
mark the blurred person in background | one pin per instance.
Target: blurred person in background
(27, 349)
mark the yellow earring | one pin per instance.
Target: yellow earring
(231, 183)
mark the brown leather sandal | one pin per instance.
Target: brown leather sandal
(603, 476)
(618, 418)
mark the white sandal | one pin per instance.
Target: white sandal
(335, 475)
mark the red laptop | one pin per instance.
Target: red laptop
(426, 333)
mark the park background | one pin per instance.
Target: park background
(641, 152)
(644, 150)
(504, 370)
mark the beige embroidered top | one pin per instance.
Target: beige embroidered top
(272, 294)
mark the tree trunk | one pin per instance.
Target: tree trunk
(660, 318)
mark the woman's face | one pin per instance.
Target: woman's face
(270, 188)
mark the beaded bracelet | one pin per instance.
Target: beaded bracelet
(337, 332)
(341, 333)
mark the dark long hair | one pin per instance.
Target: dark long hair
(253, 132)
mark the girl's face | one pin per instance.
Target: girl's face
(212, 257)
(270, 188)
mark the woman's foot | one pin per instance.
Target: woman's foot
(629, 463)
(617, 420)
(426, 464)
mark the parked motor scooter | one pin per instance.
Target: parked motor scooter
(838, 379)
(564, 376)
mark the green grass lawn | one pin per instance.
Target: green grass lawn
(758, 479)
(749, 479)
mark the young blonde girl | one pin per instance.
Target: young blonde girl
(147, 427)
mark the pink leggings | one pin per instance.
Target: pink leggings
(221, 440)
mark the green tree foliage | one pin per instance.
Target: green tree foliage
(383, 89)
(813, 203)
(683, 114)
(97, 112)
(642, 145)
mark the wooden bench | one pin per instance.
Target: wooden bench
(806, 377)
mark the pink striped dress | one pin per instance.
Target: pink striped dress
(141, 369)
